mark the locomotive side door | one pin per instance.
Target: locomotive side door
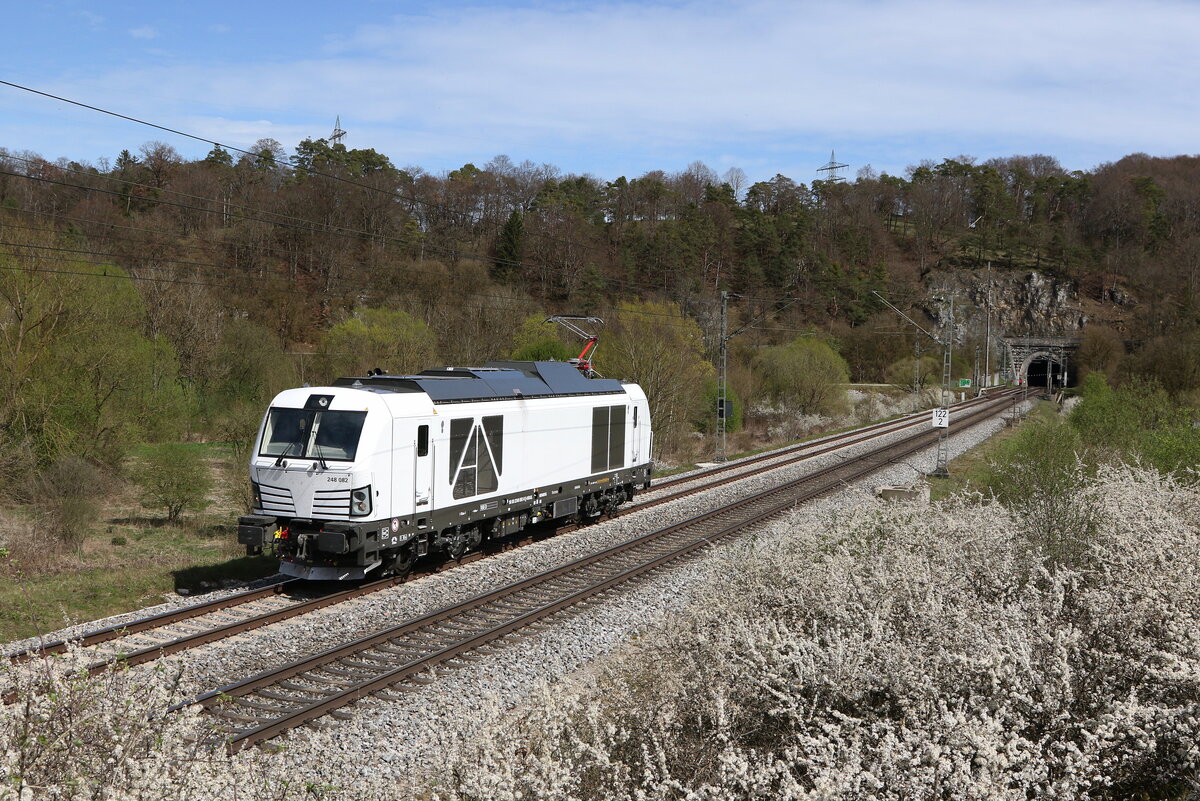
(423, 470)
(635, 440)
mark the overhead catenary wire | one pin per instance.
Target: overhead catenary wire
(233, 148)
(308, 226)
(162, 260)
(332, 282)
(258, 273)
(306, 171)
(448, 297)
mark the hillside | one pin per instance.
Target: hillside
(153, 297)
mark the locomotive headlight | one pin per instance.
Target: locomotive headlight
(360, 501)
(256, 495)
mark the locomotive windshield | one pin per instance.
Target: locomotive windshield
(311, 434)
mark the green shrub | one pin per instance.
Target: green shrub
(385, 339)
(1116, 419)
(538, 340)
(1038, 474)
(1137, 421)
(806, 374)
(1176, 450)
(173, 477)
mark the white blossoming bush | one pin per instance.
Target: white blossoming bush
(897, 652)
(74, 737)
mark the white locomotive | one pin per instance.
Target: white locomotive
(370, 473)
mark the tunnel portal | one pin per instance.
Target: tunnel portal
(1041, 362)
(1044, 372)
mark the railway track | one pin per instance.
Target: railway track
(832, 442)
(140, 641)
(128, 628)
(792, 454)
(273, 701)
(170, 632)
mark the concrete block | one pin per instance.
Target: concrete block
(911, 493)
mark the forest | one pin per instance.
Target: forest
(151, 298)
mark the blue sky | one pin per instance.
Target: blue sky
(614, 89)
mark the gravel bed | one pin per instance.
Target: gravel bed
(700, 474)
(792, 451)
(396, 746)
(172, 602)
(704, 467)
(232, 659)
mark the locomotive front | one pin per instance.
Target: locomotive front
(320, 474)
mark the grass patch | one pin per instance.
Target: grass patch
(968, 470)
(150, 564)
(127, 558)
(209, 450)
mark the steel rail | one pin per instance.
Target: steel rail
(117, 630)
(850, 438)
(157, 651)
(835, 440)
(778, 499)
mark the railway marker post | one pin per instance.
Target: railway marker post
(941, 467)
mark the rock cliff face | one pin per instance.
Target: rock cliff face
(1023, 303)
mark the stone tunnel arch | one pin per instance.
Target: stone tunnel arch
(1036, 360)
(1044, 367)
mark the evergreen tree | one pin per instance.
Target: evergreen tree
(219, 157)
(506, 265)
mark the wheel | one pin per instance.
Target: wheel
(456, 544)
(591, 508)
(404, 560)
(474, 537)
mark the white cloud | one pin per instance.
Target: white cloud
(144, 32)
(763, 79)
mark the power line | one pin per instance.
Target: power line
(334, 281)
(309, 171)
(256, 156)
(308, 226)
(301, 224)
(456, 303)
(315, 227)
(151, 188)
(260, 272)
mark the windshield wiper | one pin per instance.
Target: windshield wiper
(279, 461)
(320, 456)
(299, 441)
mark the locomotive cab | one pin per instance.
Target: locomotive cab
(316, 479)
